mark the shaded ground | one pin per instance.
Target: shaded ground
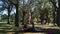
(42, 29)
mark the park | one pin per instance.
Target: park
(29, 16)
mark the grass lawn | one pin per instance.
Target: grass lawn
(5, 26)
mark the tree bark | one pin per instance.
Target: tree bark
(23, 17)
(58, 17)
(58, 14)
(17, 15)
(8, 15)
(23, 13)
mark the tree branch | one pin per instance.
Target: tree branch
(11, 2)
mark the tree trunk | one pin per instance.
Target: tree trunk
(54, 18)
(23, 17)
(58, 14)
(33, 27)
(42, 18)
(58, 17)
(16, 17)
(54, 15)
(23, 13)
(8, 15)
(58, 11)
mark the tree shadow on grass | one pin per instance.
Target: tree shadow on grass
(47, 31)
(53, 31)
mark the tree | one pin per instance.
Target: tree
(16, 4)
(6, 5)
(9, 11)
(28, 6)
(57, 9)
(43, 7)
(58, 14)
(23, 12)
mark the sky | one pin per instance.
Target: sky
(5, 11)
(1, 4)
